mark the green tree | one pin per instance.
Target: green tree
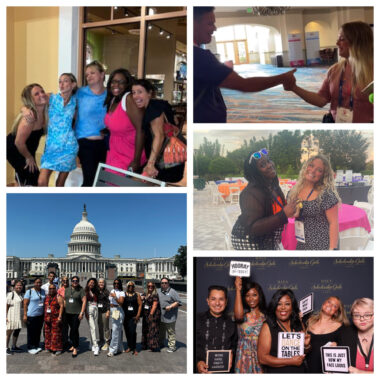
(180, 260)
(221, 166)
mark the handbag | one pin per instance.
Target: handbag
(174, 149)
(328, 118)
(115, 314)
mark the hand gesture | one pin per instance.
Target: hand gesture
(28, 115)
(289, 80)
(238, 283)
(291, 208)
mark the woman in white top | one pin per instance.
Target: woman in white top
(117, 317)
(14, 315)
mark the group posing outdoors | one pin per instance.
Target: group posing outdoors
(313, 201)
(121, 125)
(59, 310)
(252, 335)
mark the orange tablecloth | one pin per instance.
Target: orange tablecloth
(224, 188)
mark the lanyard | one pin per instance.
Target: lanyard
(39, 294)
(341, 82)
(276, 200)
(366, 357)
(282, 327)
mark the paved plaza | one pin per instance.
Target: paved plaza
(86, 362)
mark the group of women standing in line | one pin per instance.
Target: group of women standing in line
(313, 201)
(62, 310)
(258, 328)
(78, 122)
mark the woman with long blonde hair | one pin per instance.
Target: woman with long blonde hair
(317, 226)
(346, 80)
(25, 136)
(325, 327)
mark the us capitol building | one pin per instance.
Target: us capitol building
(84, 259)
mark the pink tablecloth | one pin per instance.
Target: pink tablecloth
(349, 217)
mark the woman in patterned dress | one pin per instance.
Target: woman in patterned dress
(61, 146)
(53, 321)
(249, 314)
(151, 312)
(14, 316)
(319, 198)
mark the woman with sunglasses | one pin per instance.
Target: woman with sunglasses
(317, 226)
(151, 313)
(65, 326)
(359, 336)
(34, 315)
(92, 297)
(263, 207)
(117, 317)
(75, 306)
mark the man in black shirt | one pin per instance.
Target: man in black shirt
(214, 329)
(210, 74)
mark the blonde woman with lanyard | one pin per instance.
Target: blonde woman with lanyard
(34, 315)
(117, 317)
(317, 226)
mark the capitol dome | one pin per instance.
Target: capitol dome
(84, 239)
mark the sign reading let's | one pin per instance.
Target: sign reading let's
(290, 344)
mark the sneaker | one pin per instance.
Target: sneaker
(171, 350)
(96, 351)
(57, 353)
(105, 347)
(110, 354)
(33, 351)
(9, 352)
(17, 349)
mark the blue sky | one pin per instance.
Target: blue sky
(129, 225)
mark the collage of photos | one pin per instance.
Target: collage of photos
(99, 281)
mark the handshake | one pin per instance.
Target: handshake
(289, 80)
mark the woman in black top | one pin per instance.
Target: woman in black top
(132, 308)
(282, 316)
(23, 141)
(263, 207)
(156, 111)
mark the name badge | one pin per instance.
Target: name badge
(343, 115)
(300, 231)
(130, 308)
(48, 310)
(94, 304)
(100, 305)
(41, 304)
(71, 300)
(146, 307)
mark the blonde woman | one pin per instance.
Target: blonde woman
(23, 141)
(345, 80)
(326, 327)
(317, 226)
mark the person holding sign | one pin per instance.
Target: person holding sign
(283, 326)
(215, 331)
(316, 224)
(325, 328)
(263, 207)
(249, 296)
(359, 338)
(345, 80)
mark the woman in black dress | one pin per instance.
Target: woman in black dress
(263, 207)
(324, 327)
(156, 111)
(132, 309)
(282, 316)
(151, 313)
(23, 141)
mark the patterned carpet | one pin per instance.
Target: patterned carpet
(275, 105)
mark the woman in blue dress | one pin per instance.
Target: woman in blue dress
(61, 146)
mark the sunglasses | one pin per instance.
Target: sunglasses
(74, 281)
(257, 155)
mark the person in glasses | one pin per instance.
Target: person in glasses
(75, 306)
(345, 80)
(282, 316)
(210, 75)
(34, 316)
(325, 326)
(65, 327)
(151, 313)
(317, 226)
(264, 210)
(359, 336)
(124, 122)
(169, 303)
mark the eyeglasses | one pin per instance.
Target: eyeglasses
(257, 155)
(74, 281)
(366, 317)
